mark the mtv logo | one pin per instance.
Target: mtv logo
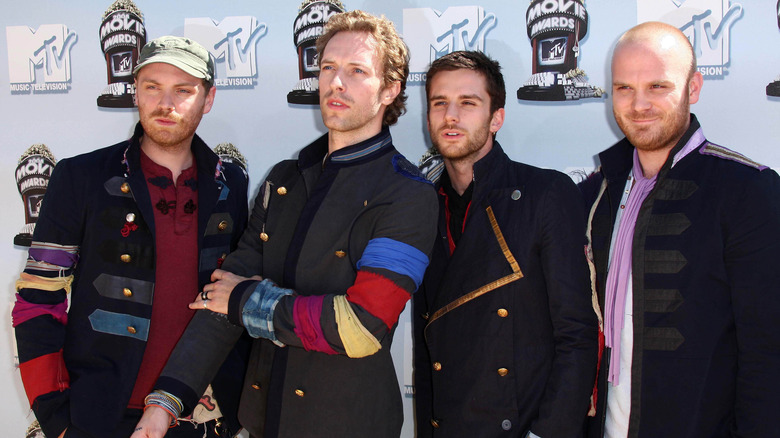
(552, 51)
(706, 23)
(231, 41)
(431, 34)
(48, 47)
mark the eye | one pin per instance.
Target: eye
(184, 91)
(326, 67)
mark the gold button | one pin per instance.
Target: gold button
(264, 237)
(502, 313)
(340, 254)
(365, 202)
(255, 385)
(128, 293)
(222, 226)
(125, 187)
(130, 217)
(281, 191)
(125, 258)
(435, 423)
(131, 330)
(437, 366)
(425, 315)
(299, 393)
(503, 372)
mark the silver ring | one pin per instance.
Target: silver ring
(205, 304)
(204, 295)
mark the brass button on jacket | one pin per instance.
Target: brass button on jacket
(127, 292)
(255, 385)
(264, 237)
(131, 330)
(435, 423)
(341, 254)
(281, 191)
(503, 372)
(125, 187)
(437, 366)
(126, 258)
(503, 313)
(130, 217)
(222, 226)
(299, 393)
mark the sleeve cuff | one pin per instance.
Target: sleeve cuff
(237, 300)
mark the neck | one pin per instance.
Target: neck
(341, 139)
(174, 158)
(461, 174)
(652, 161)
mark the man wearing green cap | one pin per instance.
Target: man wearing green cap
(131, 232)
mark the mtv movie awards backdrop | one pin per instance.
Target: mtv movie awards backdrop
(66, 88)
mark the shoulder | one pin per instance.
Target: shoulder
(714, 150)
(95, 162)
(405, 168)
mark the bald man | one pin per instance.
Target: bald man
(685, 247)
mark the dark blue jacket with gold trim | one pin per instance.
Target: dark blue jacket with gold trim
(505, 334)
(706, 293)
(79, 368)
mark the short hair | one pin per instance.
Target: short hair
(474, 61)
(392, 51)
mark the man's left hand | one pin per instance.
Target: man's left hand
(215, 296)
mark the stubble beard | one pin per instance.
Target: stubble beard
(654, 138)
(176, 135)
(455, 153)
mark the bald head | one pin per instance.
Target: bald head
(664, 40)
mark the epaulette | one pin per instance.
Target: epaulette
(407, 169)
(727, 154)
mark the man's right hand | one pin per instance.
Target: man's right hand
(153, 424)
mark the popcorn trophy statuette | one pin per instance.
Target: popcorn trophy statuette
(32, 178)
(311, 19)
(122, 35)
(773, 89)
(555, 29)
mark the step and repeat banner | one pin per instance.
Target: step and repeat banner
(66, 88)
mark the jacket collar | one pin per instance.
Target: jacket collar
(357, 153)
(488, 170)
(617, 161)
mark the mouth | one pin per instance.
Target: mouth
(336, 104)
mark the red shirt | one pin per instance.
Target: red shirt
(176, 269)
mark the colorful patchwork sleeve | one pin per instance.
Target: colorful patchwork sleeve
(40, 314)
(358, 322)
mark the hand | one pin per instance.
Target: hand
(153, 424)
(218, 292)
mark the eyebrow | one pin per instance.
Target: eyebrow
(460, 97)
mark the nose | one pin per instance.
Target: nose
(641, 101)
(166, 101)
(335, 81)
(451, 114)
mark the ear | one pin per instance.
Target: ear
(694, 87)
(388, 95)
(209, 99)
(497, 120)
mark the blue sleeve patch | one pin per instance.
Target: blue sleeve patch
(224, 191)
(407, 169)
(395, 256)
(119, 324)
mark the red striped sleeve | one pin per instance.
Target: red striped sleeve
(43, 375)
(379, 296)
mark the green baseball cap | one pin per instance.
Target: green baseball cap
(184, 53)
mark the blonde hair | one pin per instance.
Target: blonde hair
(392, 51)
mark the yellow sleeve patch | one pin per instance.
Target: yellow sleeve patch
(358, 342)
(28, 281)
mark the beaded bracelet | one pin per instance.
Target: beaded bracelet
(167, 402)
